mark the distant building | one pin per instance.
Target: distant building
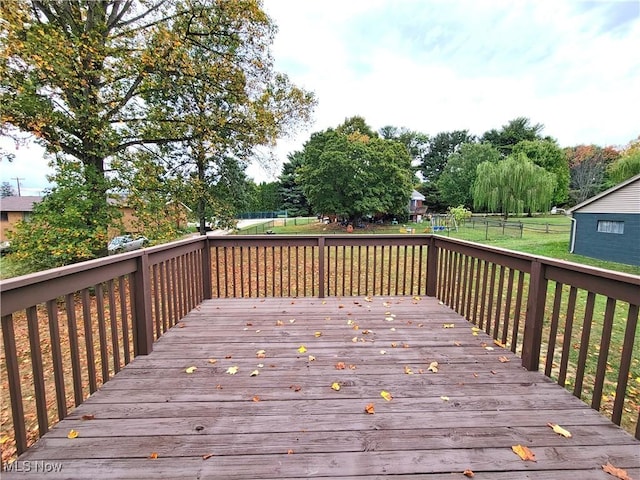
(13, 210)
(416, 208)
(607, 226)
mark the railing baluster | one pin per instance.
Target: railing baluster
(566, 341)
(517, 313)
(13, 378)
(625, 366)
(601, 369)
(56, 358)
(74, 349)
(490, 311)
(507, 308)
(124, 320)
(102, 332)
(37, 369)
(114, 327)
(156, 300)
(88, 338)
(499, 301)
(584, 344)
(553, 329)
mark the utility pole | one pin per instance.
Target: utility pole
(17, 179)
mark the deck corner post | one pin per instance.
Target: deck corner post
(321, 278)
(206, 270)
(143, 326)
(534, 319)
(432, 268)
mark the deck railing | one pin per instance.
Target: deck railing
(86, 321)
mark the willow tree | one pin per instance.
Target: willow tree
(87, 78)
(514, 185)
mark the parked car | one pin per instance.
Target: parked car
(5, 247)
(126, 243)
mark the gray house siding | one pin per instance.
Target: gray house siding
(615, 247)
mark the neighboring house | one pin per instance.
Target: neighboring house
(607, 226)
(178, 212)
(13, 210)
(416, 209)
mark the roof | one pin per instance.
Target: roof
(416, 195)
(18, 204)
(588, 201)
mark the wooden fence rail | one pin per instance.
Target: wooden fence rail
(86, 321)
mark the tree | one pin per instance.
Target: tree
(548, 155)
(88, 79)
(513, 185)
(7, 190)
(417, 143)
(440, 147)
(293, 198)
(514, 132)
(627, 166)
(587, 168)
(349, 173)
(456, 181)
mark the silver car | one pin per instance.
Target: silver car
(126, 243)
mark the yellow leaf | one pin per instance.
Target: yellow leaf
(255, 373)
(4, 439)
(354, 339)
(524, 453)
(302, 349)
(261, 354)
(389, 319)
(444, 398)
(433, 367)
(416, 298)
(311, 358)
(335, 386)
(72, 434)
(386, 395)
(213, 361)
(317, 334)
(369, 409)
(616, 472)
(153, 455)
(408, 370)
(383, 352)
(449, 325)
(191, 369)
(559, 430)
(232, 370)
(279, 323)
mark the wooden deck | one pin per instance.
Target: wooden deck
(287, 422)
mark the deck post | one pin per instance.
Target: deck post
(432, 267)
(321, 267)
(534, 317)
(206, 269)
(143, 326)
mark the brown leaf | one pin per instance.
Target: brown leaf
(369, 409)
(153, 455)
(256, 398)
(88, 417)
(207, 456)
(524, 453)
(295, 388)
(468, 473)
(616, 472)
(290, 451)
(503, 359)
(340, 366)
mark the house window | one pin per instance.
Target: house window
(4, 216)
(610, 226)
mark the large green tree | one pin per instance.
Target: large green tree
(440, 147)
(351, 173)
(456, 181)
(513, 185)
(514, 132)
(293, 198)
(93, 79)
(548, 155)
(627, 166)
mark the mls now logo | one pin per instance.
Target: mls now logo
(28, 466)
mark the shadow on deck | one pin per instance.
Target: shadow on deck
(286, 421)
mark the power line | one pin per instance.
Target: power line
(17, 179)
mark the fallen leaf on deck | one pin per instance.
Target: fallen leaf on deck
(311, 358)
(4, 439)
(503, 359)
(293, 320)
(444, 398)
(394, 344)
(219, 387)
(448, 325)
(488, 348)
(191, 369)
(302, 349)
(153, 455)
(433, 367)
(279, 323)
(317, 334)
(524, 453)
(369, 409)
(559, 430)
(499, 343)
(335, 386)
(340, 306)
(207, 456)
(468, 473)
(352, 367)
(367, 299)
(290, 452)
(213, 361)
(457, 344)
(340, 366)
(354, 339)
(356, 327)
(227, 357)
(386, 304)
(88, 417)
(616, 472)
(295, 388)
(261, 354)
(260, 365)
(389, 319)
(349, 322)
(417, 298)
(408, 370)
(232, 370)
(405, 345)
(493, 372)
(383, 352)
(72, 434)
(181, 325)
(256, 398)
(386, 395)
(255, 373)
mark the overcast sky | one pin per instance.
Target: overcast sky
(435, 66)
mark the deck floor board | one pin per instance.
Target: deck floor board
(288, 423)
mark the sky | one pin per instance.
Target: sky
(442, 65)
